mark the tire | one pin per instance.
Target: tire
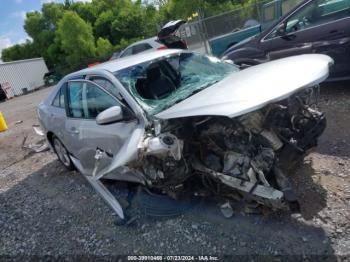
(62, 153)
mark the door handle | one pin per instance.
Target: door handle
(73, 131)
(304, 45)
(336, 32)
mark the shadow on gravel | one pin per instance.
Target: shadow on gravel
(312, 197)
(334, 102)
(56, 211)
(278, 234)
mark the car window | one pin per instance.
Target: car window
(56, 101)
(316, 13)
(75, 97)
(141, 48)
(127, 52)
(157, 85)
(59, 99)
(97, 101)
(87, 100)
(106, 84)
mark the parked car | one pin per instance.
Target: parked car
(178, 123)
(269, 13)
(314, 26)
(166, 38)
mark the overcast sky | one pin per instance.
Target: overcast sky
(12, 14)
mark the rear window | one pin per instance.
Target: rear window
(141, 48)
(59, 99)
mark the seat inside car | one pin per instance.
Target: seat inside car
(157, 85)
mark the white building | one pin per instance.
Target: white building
(22, 76)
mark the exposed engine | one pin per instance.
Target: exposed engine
(239, 158)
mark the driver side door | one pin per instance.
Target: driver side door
(85, 100)
(319, 26)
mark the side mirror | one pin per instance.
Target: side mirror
(110, 115)
(281, 29)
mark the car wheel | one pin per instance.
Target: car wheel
(62, 153)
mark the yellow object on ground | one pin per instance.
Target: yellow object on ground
(3, 125)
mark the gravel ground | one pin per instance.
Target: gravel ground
(45, 210)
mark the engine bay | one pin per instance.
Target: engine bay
(234, 159)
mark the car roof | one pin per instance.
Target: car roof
(148, 40)
(125, 62)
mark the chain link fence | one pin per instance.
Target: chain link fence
(198, 34)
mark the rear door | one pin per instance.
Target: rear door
(58, 116)
(319, 26)
(85, 100)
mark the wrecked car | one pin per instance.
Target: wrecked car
(167, 37)
(179, 123)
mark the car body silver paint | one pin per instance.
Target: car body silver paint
(57, 123)
(150, 41)
(54, 120)
(111, 115)
(239, 93)
(253, 88)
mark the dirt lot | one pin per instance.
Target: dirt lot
(45, 210)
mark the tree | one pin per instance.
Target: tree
(41, 27)
(76, 40)
(70, 33)
(104, 48)
(86, 11)
(103, 25)
(19, 52)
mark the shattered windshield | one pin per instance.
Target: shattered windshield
(159, 84)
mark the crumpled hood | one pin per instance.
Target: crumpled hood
(253, 88)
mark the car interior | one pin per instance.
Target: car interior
(160, 81)
(319, 12)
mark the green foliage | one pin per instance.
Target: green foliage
(70, 34)
(41, 26)
(128, 24)
(103, 25)
(76, 39)
(19, 52)
(104, 47)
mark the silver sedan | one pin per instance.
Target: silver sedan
(177, 123)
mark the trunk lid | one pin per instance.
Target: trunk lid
(169, 37)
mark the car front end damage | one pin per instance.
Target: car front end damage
(234, 159)
(232, 139)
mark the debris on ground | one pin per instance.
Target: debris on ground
(47, 211)
(39, 146)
